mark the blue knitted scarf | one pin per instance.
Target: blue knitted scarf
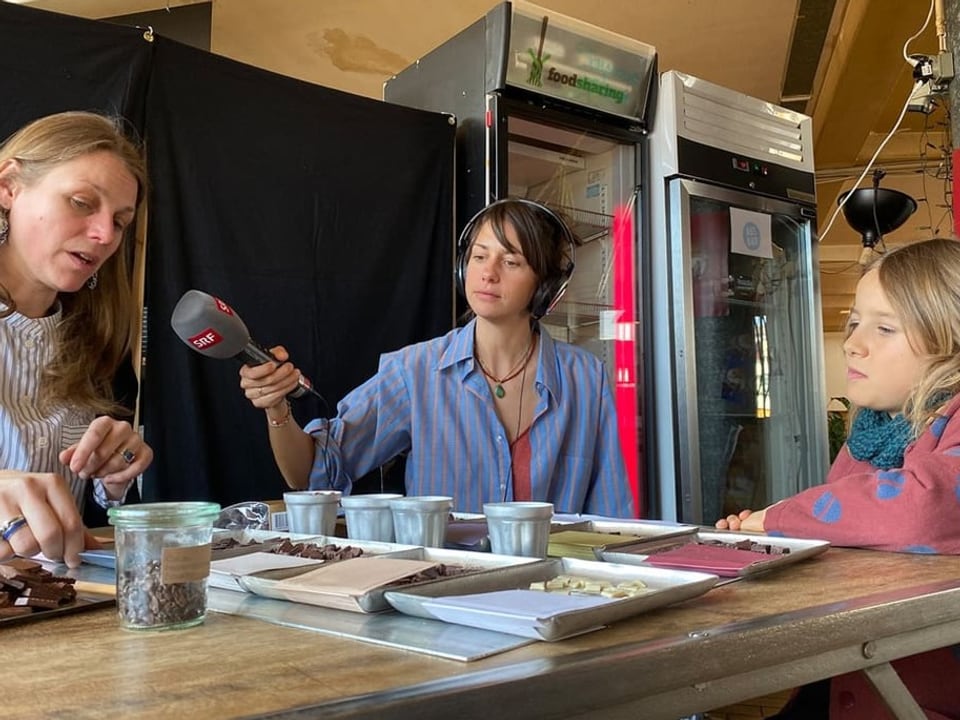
(879, 439)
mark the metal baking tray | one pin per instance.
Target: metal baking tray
(373, 600)
(448, 556)
(641, 528)
(256, 541)
(622, 533)
(252, 541)
(230, 581)
(800, 549)
(647, 529)
(95, 589)
(665, 587)
(83, 601)
(468, 531)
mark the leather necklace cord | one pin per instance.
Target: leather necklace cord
(498, 389)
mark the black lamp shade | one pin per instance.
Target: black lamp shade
(874, 212)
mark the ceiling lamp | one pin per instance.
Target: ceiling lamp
(874, 212)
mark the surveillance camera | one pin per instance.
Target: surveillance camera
(922, 66)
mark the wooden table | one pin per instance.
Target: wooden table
(842, 611)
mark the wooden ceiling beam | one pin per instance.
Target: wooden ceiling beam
(866, 69)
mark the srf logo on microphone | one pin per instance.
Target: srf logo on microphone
(223, 307)
(206, 339)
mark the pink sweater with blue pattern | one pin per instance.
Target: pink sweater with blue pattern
(914, 508)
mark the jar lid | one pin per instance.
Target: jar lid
(163, 513)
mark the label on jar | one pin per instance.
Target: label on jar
(184, 564)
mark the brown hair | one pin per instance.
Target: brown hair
(95, 333)
(543, 235)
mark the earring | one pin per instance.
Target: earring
(93, 280)
(4, 226)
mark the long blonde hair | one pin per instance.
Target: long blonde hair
(95, 333)
(922, 283)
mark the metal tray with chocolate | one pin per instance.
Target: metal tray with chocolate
(550, 599)
(723, 553)
(28, 592)
(359, 584)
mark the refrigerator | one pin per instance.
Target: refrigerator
(556, 110)
(739, 390)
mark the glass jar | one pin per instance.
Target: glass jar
(163, 560)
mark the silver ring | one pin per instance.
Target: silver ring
(11, 526)
(261, 390)
(128, 455)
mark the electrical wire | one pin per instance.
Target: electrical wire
(896, 126)
(918, 32)
(924, 143)
(846, 197)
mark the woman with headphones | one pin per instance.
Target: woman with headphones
(495, 410)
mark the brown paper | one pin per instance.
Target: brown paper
(184, 564)
(355, 576)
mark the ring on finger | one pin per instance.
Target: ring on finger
(260, 391)
(11, 526)
(127, 454)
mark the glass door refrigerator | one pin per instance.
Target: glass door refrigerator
(739, 391)
(555, 110)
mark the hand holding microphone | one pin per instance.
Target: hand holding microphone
(267, 385)
(212, 328)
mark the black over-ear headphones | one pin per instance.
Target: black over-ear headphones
(550, 291)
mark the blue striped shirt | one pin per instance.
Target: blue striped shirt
(31, 438)
(431, 401)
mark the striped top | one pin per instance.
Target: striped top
(431, 401)
(31, 440)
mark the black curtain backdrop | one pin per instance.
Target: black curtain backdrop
(322, 218)
(51, 62)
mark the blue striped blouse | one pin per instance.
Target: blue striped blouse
(431, 401)
(31, 437)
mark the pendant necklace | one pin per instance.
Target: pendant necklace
(498, 388)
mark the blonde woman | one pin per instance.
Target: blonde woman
(70, 187)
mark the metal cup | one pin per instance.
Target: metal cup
(421, 520)
(519, 528)
(369, 516)
(312, 512)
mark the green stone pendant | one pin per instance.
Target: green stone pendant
(499, 391)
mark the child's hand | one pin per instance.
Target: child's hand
(745, 521)
(733, 522)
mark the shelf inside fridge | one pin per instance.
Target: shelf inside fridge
(572, 314)
(587, 225)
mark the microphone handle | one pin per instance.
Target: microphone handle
(255, 354)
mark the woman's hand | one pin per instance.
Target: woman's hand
(267, 385)
(745, 520)
(112, 451)
(51, 523)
